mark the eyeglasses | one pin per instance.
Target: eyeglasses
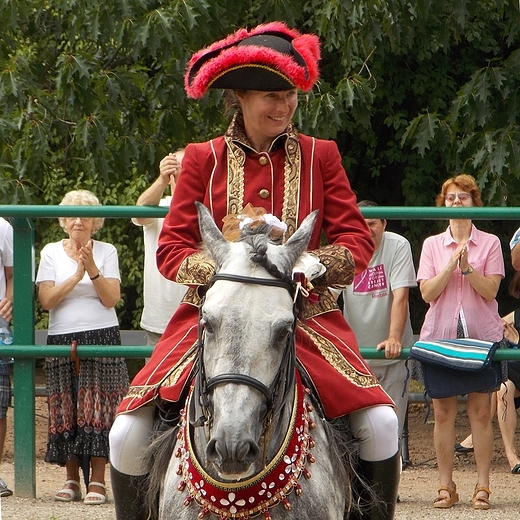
(450, 197)
(73, 219)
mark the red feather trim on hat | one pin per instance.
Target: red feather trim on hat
(234, 56)
(274, 27)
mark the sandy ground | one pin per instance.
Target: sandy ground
(417, 489)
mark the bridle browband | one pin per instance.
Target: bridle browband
(273, 282)
(284, 377)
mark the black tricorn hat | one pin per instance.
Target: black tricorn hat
(270, 57)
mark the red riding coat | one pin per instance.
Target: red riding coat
(298, 175)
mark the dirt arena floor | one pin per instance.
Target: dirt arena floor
(417, 489)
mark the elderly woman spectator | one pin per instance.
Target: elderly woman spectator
(78, 283)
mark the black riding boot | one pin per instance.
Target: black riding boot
(129, 493)
(383, 478)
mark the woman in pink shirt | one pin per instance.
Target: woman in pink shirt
(459, 275)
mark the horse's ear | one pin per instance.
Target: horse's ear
(217, 245)
(297, 244)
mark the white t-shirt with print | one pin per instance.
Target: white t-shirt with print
(368, 301)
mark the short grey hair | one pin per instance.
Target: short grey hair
(81, 198)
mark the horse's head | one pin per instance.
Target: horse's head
(248, 321)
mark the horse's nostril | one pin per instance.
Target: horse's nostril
(245, 452)
(216, 451)
(248, 452)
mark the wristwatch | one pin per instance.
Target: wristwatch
(469, 271)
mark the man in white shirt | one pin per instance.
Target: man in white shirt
(161, 296)
(376, 307)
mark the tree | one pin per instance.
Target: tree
(91, 95)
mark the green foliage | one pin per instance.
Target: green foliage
(91, 95)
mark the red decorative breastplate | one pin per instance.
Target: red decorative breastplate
(256, 495)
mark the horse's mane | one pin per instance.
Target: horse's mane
(157, 458)
(258, 239)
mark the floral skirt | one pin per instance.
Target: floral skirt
(82, 406)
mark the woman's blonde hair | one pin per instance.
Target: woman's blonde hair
(81, 198)
(463, 182)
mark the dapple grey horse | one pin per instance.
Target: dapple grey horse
(233, 456)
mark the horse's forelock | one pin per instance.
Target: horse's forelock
(262, 229)
(259, 239)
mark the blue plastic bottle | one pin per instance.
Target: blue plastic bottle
(6, 338)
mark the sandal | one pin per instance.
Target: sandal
(73, 496)
(459, 448)
(481, 502)
(92, 498)
(443, 502)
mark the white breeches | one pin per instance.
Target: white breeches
(129, 437)
(375, 429)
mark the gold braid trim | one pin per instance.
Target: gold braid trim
(340, 265)
(326, 303)
(235, 136)
(175, 373)
(171, 377)
(337, 360)
(138, 391)
(292, 171)
(236, 161)
(196, 269)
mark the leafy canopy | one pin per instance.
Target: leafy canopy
(91, 96)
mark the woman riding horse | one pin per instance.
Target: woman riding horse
(263, 160)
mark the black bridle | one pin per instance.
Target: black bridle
(284, 379)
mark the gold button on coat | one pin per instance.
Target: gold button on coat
(263, 160)
(264, 193)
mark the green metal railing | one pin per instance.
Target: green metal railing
(24, 351)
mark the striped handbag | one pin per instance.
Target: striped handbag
(457, 366)
(460, 354)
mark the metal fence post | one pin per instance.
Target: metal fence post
(24, 380)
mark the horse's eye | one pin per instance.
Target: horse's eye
(283, 335)
(207, 327)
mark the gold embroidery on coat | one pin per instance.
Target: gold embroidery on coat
(138, 391)
(236, 161)
(196, 269)
(337, 360)
(291, 182)
(340, 265)
(236, 140)
(192, 297)
(171, 377)
(326, 303)
(176, 372)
